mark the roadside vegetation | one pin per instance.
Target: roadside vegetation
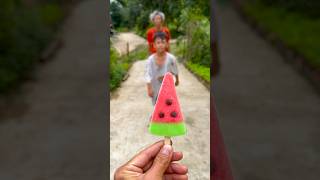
(119, 65)
(297, 24)
(25, 30)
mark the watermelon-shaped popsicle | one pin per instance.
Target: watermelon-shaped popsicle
(167, 119)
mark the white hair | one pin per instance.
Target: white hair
(155, 13)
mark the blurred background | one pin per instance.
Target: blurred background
(27, 27)
(267, 88)
(53, 89)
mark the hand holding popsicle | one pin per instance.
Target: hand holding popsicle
(154, 162)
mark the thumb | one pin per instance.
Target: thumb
(161, 161)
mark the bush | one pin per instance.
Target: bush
(197, 46)
(25, 32)
(309, 7)
(202, 71)
(120, 65)
(51, 14)
(116, 70)
(116, 14)
(297, 31)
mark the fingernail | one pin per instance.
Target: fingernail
(166, 150)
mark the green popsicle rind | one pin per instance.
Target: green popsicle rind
(167, 129)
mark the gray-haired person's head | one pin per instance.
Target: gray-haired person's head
(157, 13)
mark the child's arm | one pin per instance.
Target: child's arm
(175, 70)
(177, 80)
(149, 90)
(148, 77)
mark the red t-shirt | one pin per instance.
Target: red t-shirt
(150, 35)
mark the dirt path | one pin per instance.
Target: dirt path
(268, 113)
(64, 108)
(130, 111)
(121, 42)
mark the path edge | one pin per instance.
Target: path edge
(202, 81)
(290, 56)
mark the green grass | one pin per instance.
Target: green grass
(202, 71)
(116, 70)
(297, 31)
(140, 53)
(119, 66)
(199, 70)
(51, 14)
(122, 29)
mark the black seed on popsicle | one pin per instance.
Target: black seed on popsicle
(161, 115)
(168, 102)
(173, 114)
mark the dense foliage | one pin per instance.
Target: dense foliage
(309, 7)
(117, 70)
(296, 30)
(135, 13)
(196, 47)
(24, 31)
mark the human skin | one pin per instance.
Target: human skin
(157, 21)
(156, 163)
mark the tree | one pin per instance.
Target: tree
(115, 11)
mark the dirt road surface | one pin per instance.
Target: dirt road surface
(126, 41)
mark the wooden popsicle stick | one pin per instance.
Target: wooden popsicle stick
(167, 140)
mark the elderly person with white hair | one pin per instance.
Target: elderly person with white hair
(157, 18)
